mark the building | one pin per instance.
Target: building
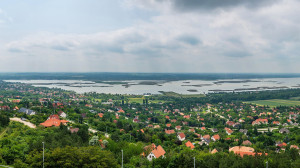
(156, 153)
(62, 114)
(181, 136)
(189, 145)
(27, 111)
(215, 137)
(53, 120)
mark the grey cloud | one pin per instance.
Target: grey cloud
(237, 54)
(187, 5)
(189, 39)
(60, 48)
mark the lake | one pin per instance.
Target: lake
(139, 87)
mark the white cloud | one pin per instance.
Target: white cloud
(241, 39)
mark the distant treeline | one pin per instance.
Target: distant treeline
(100, 76)
(241, 96)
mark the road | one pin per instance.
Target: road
(6, 166)
(29, 124)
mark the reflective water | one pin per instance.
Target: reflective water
(182, 86)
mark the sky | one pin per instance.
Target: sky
(198, 36)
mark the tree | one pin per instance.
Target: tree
(72, 157)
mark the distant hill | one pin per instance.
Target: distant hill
(101, 76)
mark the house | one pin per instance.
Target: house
(189, 145)
(121, 111)
(169, 131)
(230, 123)
(53, 120)
(206, 137)
(214, 130)
(191, 130)
(276, 122)
(156, 153)
(74, 130)
(178, 127)
(281, 144)
(228, 131)
(181, 136)
(89, 105)
(27, 111)
(100, 115)
(214, 151)
(243, 150)
(247, 143)
(173, 121)
(16, 101)
(158, 126)
(168, 125)
(187, 117)
(62, 114)
(203, 128)
(284, 130)
(260, 121)
(294, 146)
(244, 131)
(215, 137)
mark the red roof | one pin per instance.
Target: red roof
(158, 151)
(51, 122)
(206, 137)
(121, 111)
(169, 131)
(100, 115)
(189, 144)
(216, 137)
(181, 135)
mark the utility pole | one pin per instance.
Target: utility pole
(194, 162)
(122, 158)
(43, 154)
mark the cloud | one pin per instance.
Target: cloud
(187, 5)
(236, 39)
(4, 18)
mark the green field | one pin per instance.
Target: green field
(140, 100)
(275, 102)
(173, 94)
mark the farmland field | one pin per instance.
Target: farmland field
(276, 102)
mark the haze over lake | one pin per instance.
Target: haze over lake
(155, 86)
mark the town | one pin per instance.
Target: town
(143, 130)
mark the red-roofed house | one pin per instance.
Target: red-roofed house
(228, 131)
(178, 127)
(156, 153)
(53, 120)
(260, 121)
(181, 136)
(189, 145)
(215, 137)
(169, 131)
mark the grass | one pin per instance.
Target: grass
(173, 94)
(99, 100)
(140, 100)
(275, 102)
